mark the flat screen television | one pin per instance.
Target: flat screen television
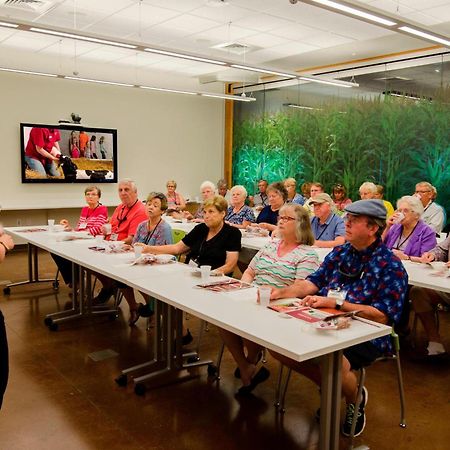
(68, 153)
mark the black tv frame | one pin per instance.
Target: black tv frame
(69, 127)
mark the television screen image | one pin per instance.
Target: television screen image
(68, 153)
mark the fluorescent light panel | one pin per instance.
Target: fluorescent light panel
(185, 56)
(331, 83)
(239, 98)
(90, 80)
(8, 25)
(429, 36)
(28, 72)
(268, 71)
(293, 105)
(356, 12)
(82, 38)
(174, 91)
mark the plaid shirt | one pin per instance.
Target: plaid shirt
(373, 277)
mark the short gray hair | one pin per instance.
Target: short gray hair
(130, 182)
(372, 187)
(207, 184)
(429, 186)
(239, 188)
(414, 203)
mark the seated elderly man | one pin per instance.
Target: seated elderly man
(433, 214)
(328, 228)
(424, 301)
(123, 224)
(259, 200)
(361, 275)
(314, 189)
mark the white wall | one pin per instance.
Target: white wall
(161, 136)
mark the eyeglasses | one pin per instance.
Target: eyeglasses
(285, 219)
(422, 192)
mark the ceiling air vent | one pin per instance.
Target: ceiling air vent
(28, 5)
(234, 47)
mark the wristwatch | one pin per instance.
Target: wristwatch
(339, 302)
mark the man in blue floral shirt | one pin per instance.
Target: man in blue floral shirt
(361, 275)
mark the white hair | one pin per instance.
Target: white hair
(207, 184)
(414, 203)
(371, 187)
(130, 182)
(239, 188)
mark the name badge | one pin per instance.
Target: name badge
(337, 293)
(113, 237)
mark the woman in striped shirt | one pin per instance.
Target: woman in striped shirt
(280, 263)
(92, 218)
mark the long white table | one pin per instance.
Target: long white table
(174, 286)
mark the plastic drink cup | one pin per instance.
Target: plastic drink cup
(205, 272)
(264, 295)
(137, 251)
(51, 224)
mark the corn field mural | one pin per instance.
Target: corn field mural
(390, 142)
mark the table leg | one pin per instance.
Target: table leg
(33, 271)
(330, 401)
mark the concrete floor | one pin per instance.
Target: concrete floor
(59, 398)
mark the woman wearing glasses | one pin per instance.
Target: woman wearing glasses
(175, 201)
(406, 234)
(153, 231)
(279, 264)
(92, 218)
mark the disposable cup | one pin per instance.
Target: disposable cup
(51, 224)
(137, 251)
(264, 295)
(205, 272)
(108, 228)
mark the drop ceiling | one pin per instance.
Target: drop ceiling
(278, 34)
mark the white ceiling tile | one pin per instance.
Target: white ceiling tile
(69, 47)
(265, 40)
(257, 5)
(422, 19)
(63, 16)
(262, 22)
(423, 4)
(326, 40)
(6, 33)
(295, 32)
(224, 33)
(147, 15)
(442, 13)
(101, 6)
(177, 5)
(191, 24)
(225, 14)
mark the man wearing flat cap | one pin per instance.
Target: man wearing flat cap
(328, 228)
(362, 275)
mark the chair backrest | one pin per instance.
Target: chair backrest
(177, 235)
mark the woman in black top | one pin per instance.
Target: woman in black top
(213, 243)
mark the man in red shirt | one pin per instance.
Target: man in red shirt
(39, 153)
(123, 224)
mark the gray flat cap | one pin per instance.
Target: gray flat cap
(371, 208)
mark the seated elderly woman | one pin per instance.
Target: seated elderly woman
(212, 243)
(153, 231)
(279, 264)
(340, 198)
(406, 234)
(92, 218)
(239, 214)
(425, 301)
(277, 197)
(293, 196)
(175, 201)
(207, 189)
